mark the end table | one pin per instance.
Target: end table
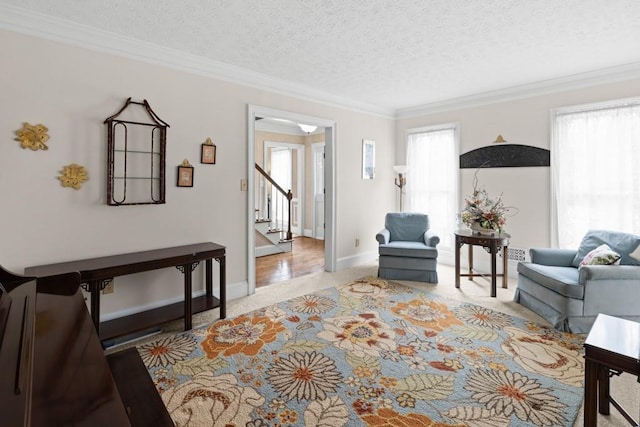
(493, 245)
(612, 347)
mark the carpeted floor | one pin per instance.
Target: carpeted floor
(625, 388)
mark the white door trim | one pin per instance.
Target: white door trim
(254, 111)
(315, 147)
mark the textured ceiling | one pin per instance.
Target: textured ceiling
(394, 54)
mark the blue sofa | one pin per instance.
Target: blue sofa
(407, 248)
(569, 295)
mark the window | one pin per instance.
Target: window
(595, 176)
(432, 178)
(281, 172)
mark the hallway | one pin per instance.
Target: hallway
(306, 257)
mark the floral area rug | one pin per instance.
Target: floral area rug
(374, 353)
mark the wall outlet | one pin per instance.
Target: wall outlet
(244, 185)
(108, 289)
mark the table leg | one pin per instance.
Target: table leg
(591, 369)
(187, 271)
(494, 249)
(457, 263)
(94, 288)
(208, 279)
(505, 267)
(470, 262)
(223, 286)
(603, 390)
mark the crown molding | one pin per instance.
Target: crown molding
(45, 26)
(281, 128)
(40, 25)
(562, 84)
(276, 128)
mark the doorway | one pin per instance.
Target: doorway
(324, 211)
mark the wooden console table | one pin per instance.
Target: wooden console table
(612, 347)
(493, 245)
(96, 273)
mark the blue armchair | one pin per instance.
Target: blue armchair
(569, 295)
(407, 249)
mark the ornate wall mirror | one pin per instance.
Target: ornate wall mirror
(368, 159)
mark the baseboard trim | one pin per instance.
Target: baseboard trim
(355, 260)
(234, 291)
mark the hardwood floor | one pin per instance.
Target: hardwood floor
(306, 257)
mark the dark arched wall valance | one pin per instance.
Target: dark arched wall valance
(505, 155)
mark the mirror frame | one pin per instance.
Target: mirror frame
(368, 159)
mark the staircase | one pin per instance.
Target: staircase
(278, 245)
(272, 216)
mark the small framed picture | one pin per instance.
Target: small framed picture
(208, 153)
(185, 176)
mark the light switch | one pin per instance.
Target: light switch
(243, 185)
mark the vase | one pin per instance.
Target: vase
(476, 228)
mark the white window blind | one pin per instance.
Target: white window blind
(595, 176)
(432, 178)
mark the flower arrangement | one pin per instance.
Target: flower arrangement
(483, 211)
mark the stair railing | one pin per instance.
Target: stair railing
(272, 210)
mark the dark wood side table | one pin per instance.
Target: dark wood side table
(96, 273)
(612, 347)
(493, 245)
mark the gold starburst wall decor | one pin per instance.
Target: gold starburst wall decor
(33, 136)
(73, 175)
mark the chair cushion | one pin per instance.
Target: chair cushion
(406, 226)
(622, 243)
(563, 280)
(408, 249)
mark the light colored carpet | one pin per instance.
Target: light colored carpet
(624, 388)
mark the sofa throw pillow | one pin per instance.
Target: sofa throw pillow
(602, 255)
(622, 243)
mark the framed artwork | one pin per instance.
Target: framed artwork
(208, 153)
(368, 159)
(185, 174)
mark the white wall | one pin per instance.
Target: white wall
(72, 90)
(523, 121)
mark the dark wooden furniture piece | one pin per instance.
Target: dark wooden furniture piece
(612, 347)
(493, 245)
(96, 273)
(54, 370)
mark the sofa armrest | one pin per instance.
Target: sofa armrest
(552, 256)
(431, 239)
(383, 236)
(609, 273)
(610, 289)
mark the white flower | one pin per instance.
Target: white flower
(213, 401)
(364, 334)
